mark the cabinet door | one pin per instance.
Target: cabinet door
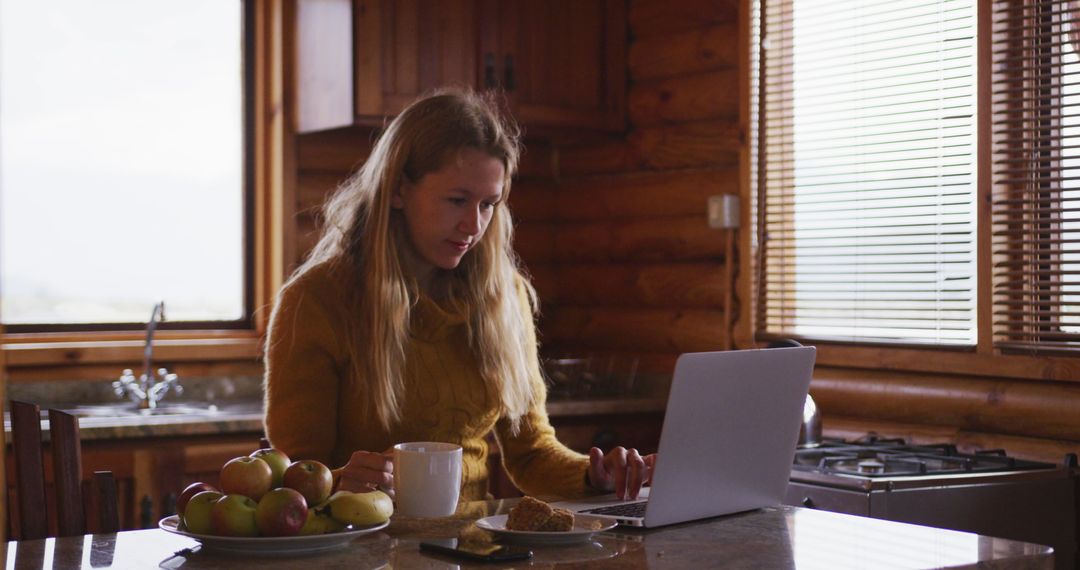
(324, 64)
(406, 48)
(561, 62)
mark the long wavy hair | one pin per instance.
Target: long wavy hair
(364, 232)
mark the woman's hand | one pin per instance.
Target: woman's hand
(621, 470)
(367, 471)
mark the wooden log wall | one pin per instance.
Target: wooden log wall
(622, 254)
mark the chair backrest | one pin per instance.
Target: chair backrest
(67, 476)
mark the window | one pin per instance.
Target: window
(1036, 174)
(868, 122)
(875, 154)
(123, 177)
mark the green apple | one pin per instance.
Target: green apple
(311, 478)
(234, 515)
(189, 492)
(248, 476)
(278, 462)
(281, 512)
(197, 512)
(319, 521)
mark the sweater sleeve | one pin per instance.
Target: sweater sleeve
(538, 463)
(303, 372)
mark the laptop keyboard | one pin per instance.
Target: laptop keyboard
(621, 510)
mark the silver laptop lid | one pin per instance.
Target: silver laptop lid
(730, 431)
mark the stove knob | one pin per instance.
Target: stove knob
(808, 503)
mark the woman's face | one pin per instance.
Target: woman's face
(447, 211)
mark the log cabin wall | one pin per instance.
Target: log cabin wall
(622, 254)
(614, 231)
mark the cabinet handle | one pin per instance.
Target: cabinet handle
(509, 83)
(489, 71)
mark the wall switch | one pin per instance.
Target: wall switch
(724, 211)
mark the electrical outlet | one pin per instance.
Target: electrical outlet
(724, 211)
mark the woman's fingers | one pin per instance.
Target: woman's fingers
(367, 471)
(623, 470)
(615, 462)
(598, 476)
(635, 476)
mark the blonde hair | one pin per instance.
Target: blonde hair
(362, 230)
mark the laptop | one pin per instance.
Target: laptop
(728, 440)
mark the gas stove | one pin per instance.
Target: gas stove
(986, 492)
(859, 464)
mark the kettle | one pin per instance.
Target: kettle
(810, 431)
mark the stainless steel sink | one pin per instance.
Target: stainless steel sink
(125, 409)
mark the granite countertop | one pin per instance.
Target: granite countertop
(780, 538)
(246, 416)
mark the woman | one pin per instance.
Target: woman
(411, 322)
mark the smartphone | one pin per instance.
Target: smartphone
(475, 551)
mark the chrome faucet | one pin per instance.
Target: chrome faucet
(148, 389)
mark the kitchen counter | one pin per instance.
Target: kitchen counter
(773, 538)
(247, 417)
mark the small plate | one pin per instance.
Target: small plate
(272, 545)
(585, 526)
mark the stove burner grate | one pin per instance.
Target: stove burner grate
(890, 458)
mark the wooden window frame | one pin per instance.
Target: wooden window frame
(102, 354)
(983, 359)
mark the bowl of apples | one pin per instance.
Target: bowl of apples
(266, 504)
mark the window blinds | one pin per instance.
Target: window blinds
(866, 175)
(1035, 196)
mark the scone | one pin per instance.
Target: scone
(534, 515)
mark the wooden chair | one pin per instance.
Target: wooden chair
(71, 519)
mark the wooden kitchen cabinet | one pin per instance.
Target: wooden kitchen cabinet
(405, 48)
(561, 63)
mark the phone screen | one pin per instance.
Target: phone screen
(485, 552)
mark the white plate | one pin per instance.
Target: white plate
(271, 545)
(583, 530)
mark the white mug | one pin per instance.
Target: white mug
(427, 478)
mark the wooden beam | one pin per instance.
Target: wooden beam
(684, 145)
(675, 238)
(642, 194)
(991, 405)
(694, 51)
(337, 151)
(911, 359)
(312, 189)
(697, 97)
(696, 285)
(631, 329)
(661, 17)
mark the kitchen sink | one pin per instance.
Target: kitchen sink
(126, 409)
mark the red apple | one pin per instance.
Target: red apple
(278, 462)
(248, 476)
(189, 492)
(197, 512)
(281, 512)
(311, 478)
(234, 515)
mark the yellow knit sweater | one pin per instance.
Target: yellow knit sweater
(312, 412)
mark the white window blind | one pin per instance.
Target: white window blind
(866, 175)
(1036, 173)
